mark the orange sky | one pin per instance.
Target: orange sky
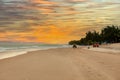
(55, 21)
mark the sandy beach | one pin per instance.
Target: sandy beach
(62, 64)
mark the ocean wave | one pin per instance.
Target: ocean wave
(11, 51)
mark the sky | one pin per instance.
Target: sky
(55, 21)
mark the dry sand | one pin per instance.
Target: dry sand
(62, 64)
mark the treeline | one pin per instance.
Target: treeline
(109, 34)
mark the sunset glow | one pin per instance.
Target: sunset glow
(55, 21)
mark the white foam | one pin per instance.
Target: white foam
(15, 51)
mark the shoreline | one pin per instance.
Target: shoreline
(103, 48)
(14, 53)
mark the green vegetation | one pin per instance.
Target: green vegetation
(109, 34)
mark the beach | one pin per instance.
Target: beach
(63, 64)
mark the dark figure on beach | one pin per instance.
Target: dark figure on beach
(74, 46)
(88, 47)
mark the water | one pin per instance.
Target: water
(11, 49)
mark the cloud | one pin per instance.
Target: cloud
(23, 16)
(78, 1)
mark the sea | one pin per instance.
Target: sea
(11, 49)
